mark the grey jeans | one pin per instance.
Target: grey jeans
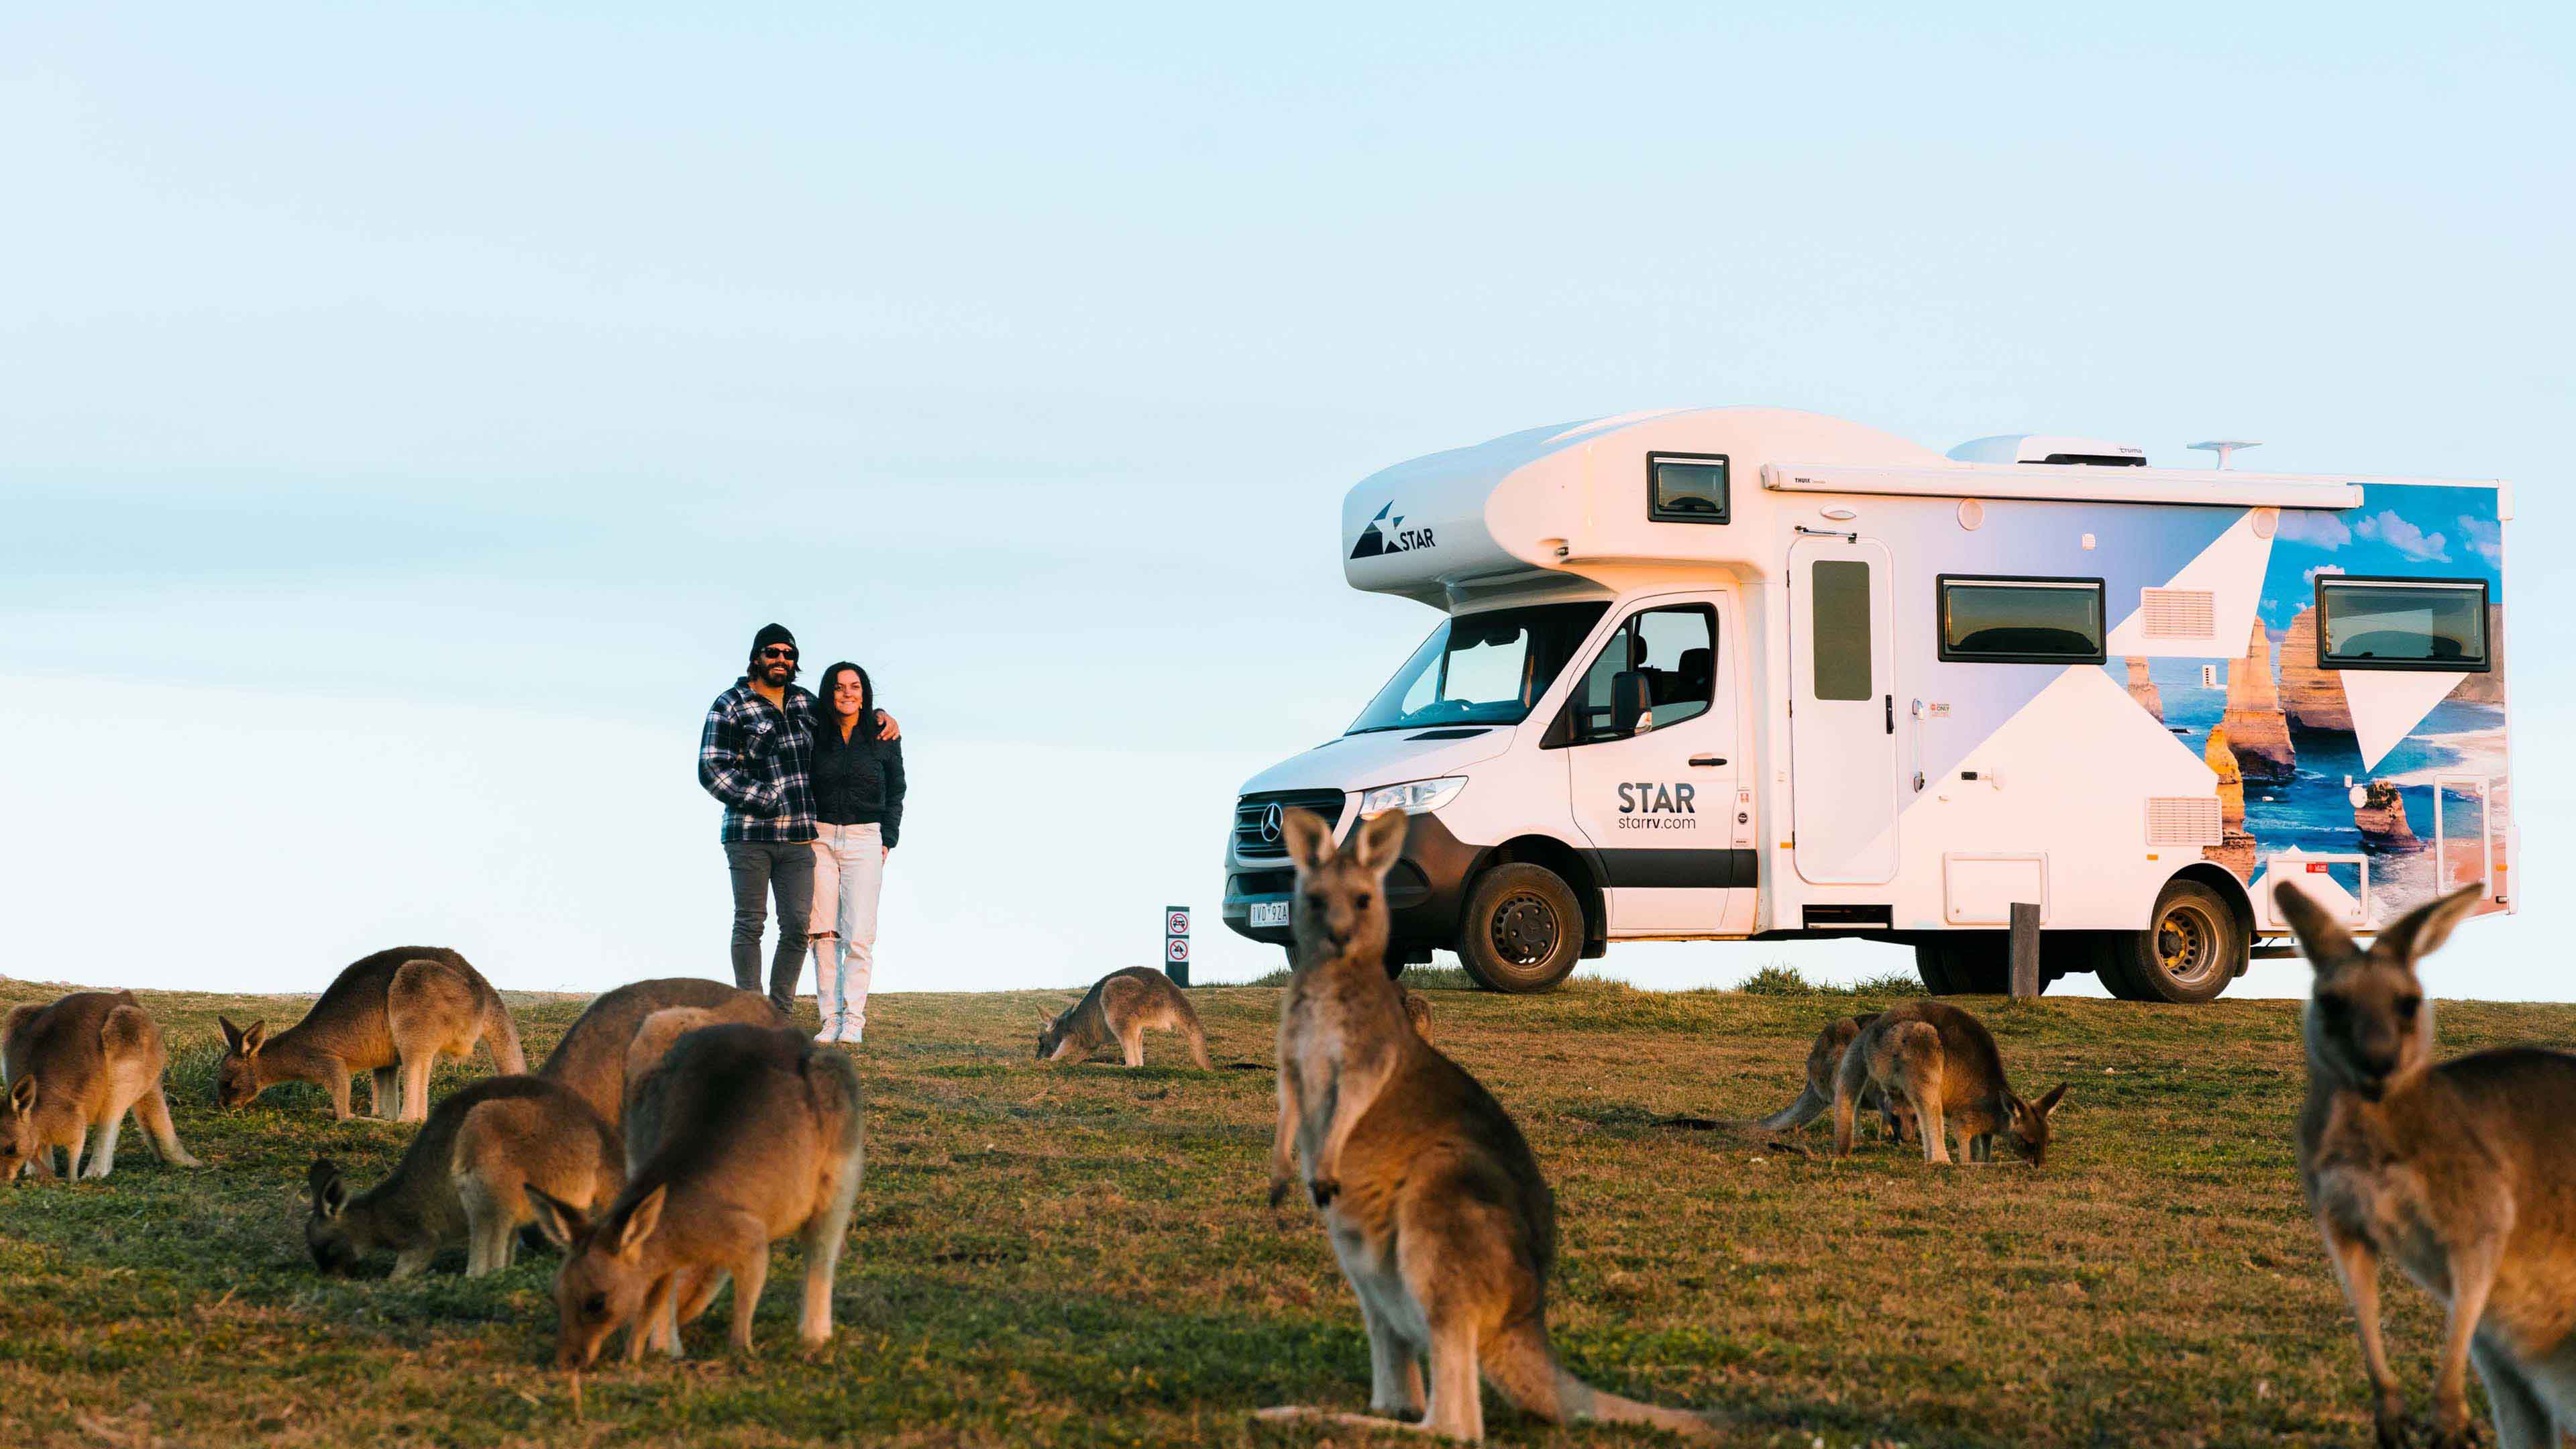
(759, 869)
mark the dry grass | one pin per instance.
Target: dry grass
(1081, 1255)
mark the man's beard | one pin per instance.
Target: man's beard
(785, 674)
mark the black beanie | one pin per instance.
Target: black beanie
(771, 634)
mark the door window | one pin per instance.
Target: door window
(1675, 650)
(1840, 613)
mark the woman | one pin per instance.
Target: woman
(858, 813)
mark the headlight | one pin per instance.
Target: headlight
(1414, 797)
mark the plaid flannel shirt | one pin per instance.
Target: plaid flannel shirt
(759, 761)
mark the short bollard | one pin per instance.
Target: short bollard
(2025, 951)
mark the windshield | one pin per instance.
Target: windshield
(1482, 669)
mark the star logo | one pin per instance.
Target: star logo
(1373, 538)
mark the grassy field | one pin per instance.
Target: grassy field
(1081, 1255)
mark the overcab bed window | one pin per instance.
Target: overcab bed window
(2397, 623)
(2002, 620)
(1686, 487)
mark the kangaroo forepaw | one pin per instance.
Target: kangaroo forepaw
(1323, 1190)
(2394, 1429)
(1278, 1191)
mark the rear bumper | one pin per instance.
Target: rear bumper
(1425, 888)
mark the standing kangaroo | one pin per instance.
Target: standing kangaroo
(466, 1175)
(1941, 1063)
(742, 1136)
(1117, 1011)
(1434, 1205)
(395, 1012)
(2463, 1171)
(81, 1064)
(591, 1057)
(1824, 1059)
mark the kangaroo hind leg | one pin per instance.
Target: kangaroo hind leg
(102, 1145)
(384, 1085)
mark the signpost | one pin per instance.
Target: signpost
(1176, 944)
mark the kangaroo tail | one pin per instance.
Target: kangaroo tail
(501, 1037)
(1811, 1104)
(1198, 1048)
(1524, 1367)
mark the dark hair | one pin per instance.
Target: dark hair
(827, 716)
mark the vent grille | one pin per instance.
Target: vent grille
(2179, 613)
(1248, 813)
(2183, 820)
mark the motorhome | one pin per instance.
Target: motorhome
(1748, 673)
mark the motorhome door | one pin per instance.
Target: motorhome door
(1842, 714)
(1654, 779)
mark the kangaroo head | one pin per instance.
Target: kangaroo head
(2367, 1022)
(1051, 1031)
(600, 1287)
(237, 1078)
(326, 1232)
(18, 1145)
(2027, 1132)
(1340, 908)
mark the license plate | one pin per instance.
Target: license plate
(1269, 913)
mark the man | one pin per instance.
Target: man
(756, 755)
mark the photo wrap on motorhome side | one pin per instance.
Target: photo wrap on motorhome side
(1750, 673)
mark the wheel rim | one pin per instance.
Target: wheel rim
(2187, 945)
(1524, 930)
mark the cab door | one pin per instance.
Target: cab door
(1654, 783)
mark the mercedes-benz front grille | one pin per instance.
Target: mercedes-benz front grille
(1256, 830)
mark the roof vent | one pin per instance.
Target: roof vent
(2049, 448)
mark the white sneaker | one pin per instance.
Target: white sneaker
(850, 1031)
(832, 1028)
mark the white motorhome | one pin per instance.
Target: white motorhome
(1746, 673)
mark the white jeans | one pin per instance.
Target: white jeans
(849, 865)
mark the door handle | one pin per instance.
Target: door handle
(1891, 714)
(1708, 761)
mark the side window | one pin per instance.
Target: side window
(1686, 487)
(2385, 623)
(2012, 620)
(1675, 650)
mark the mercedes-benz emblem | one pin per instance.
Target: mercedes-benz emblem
(1272, 818)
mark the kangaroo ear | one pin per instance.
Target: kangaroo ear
(332, 1197)
(1379, 840)
(2322, 939)
(1310, 839)
(22, 1092)
(561, 1222)
(254, 1038)
(2045, 1104)
(232, 1034)
(645, 1216)
(2416, 934)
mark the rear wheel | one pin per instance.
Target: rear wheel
(2189, 953)
(1522, 930)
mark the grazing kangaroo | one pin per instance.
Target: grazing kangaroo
(1116, 1011)
(742, 1136)
(591, 1058)
(663, 1029)
(467, 1175)
(1434, 1205)
(392, 1015)
(1823, 1060)
(82, 1063)
(1941, 1063)
(2463, 1171)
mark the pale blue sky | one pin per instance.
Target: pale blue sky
(408, 413)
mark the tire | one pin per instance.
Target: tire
(2188, 954)
(1522, 930)
(1965, 964)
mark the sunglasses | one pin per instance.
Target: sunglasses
(775, 651)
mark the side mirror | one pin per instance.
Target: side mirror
(1629, 705)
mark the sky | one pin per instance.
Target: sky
(408, 413)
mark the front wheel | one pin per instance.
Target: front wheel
(1523, 929)
(2188, 954)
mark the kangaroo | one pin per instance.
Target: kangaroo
(1817, 1097)
(392, 1014)
(1942, 1064)
(742, 1136)
(591, 1057)
(466, 1175)
(662, 1030)
(1116, 1012)
(2461, 1170)
(1433, 1203)
(83, 1063)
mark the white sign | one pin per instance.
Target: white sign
(1177, 949)
(1176, 921)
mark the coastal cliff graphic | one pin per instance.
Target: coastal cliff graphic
(2404, 769)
